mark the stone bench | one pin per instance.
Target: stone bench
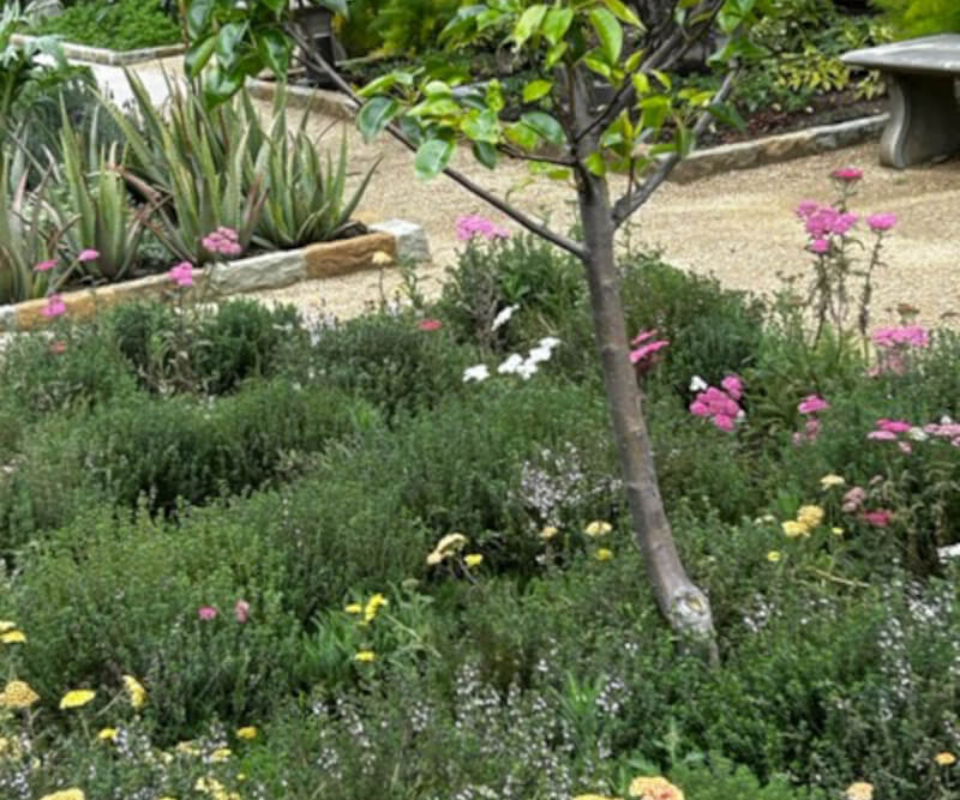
(921, 77)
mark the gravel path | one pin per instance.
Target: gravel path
(739, 226)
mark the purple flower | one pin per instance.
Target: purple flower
(45, 266)
(847, 174)
(820, 246)
(55, 307)
(733, 386)
(894, 425)
(881, 222)
(807, 209)
(471, 226)
(207, 613)
(88, 255)
(182, 274)
(811, 404)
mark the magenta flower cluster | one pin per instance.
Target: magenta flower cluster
(721, 406)
(810, 405)
(645, 348)
(241, 612)
(890, 430)
(474, 225)
(894, 345)
(224, 241)
(182, 274)
(853, 503)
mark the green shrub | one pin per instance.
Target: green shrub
(121, 25)
(921, 17)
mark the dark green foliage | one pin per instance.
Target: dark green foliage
(911, 18)
(120, 25)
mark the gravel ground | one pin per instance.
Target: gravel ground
(739, 226)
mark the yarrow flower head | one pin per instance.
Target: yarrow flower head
(945, 759)
(248, 733)
(136, 692)
(905, 336)
(446, 547)
(429, 325)
(207, 613)
(812, 404)
(365, 656)
(654, 789)
(182, 274)
(13, 637)
(373, 606)
(880, 223)
(77, 698)
(55, 307)
(45, 266)
(225, 241)
(88, 255)
(598, 528)
(18, 694)
(478, 373)
(471, 226)
(473, 559)
(861, 790)
(645, 347)
(720, 406)
(241, 611)
(829, 481)
(847, 174)
(65, 794)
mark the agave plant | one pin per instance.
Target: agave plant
(306, 195)
(27, 235)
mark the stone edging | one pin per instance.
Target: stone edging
(398, 239)
(774, 149)
(110, 58)
(699, 164)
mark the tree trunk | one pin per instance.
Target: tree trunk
(682, 603)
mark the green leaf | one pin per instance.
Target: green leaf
(534, 90)
(375, 115)
(728, 115)
(437, 89)
(595, 164)
(275, 48)
(482, 127)
(529, 23)
(198, 55)
(556, 24)
(494, 96)
(545, 126)
(641, 83)
(229, 40)
(554, 54)
(610, 32)
(624, 13)
(522, 135)
(199, 16)
(432, 158)
(486, 154)
(633, 61)
(379, 85)
(593, 63)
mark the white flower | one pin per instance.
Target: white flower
(698, 384)
(946, 553)
(478, 373)
(511, 365)
(549, 342)
(503, 317)
(539, 354)
(527, 370)
(918, 434)
(945, 420)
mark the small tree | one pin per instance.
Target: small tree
(601, 104)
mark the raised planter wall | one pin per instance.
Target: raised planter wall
(398, 239)
(110, 58)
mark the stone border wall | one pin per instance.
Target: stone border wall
(110, 58)
(398, 239)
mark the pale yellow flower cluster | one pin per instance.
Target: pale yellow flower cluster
(809, 518)
(449, 545)
(861, 790)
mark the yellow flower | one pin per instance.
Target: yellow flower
(473, 560)
(597, 528)
(811, 516)
(249, 732)
(354, 608)
(859, 791)
(794, 529)
(187, 749)
(381, 259)
(166, 797)
(77, 698)
(221, 754)
(603, 554)
(107, 735)
(13, 637)
(7, 625)
(594, 797)
(548, 533)
(446, 547)
(945, 759)
(831, 480)
(654, 789)
(9, 749)
(18, 694)
(373, 606)
(365, 656)
(65, 794)
(837, 531)
(138, 695)
(773, 556)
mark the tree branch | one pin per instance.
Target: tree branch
(521, 218)
(569, 163)
(625, 207)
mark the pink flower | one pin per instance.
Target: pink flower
(905, 447)
(45, 266)
(853, 499)
(893, 425)
(812, 403)
(207, 613)
(641, 337)
(847, 174)
(812, 428)
(821, 222)
(430, 325)
(223, 240)
(820, 246)
(58, 348)
(733, 386)
(182, 274)
(699, 409)
(55, 307)
(879, 519)
(470, 226)
(723, 422)
(807, 209)
(241, 611)
(843, 223)
(648, 349)
(881, 222)
(88, 255)
(906, 336)
(882, 436)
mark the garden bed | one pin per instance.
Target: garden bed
(113, 58)
(397, 239)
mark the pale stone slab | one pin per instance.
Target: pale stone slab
(269, 271)
(412, 242)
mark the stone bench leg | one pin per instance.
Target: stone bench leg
(924, 120)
